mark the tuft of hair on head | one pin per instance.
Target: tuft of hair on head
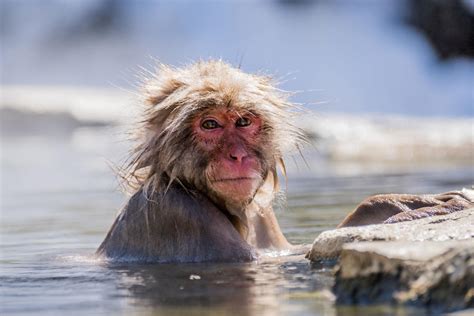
(172, 96)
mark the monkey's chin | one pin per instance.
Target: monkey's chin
(237, 191)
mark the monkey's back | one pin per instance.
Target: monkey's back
(175, 227)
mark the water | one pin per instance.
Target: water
(59, 196)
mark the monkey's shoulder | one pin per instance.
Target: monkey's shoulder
(174, 202)
(177, 226)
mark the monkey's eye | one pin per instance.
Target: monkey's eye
(210, 124)
(243, 122)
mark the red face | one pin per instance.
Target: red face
(234, 171)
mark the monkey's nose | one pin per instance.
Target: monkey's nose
(237, 154)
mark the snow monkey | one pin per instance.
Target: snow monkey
(205, 171)
(205, 168)
(394, 208)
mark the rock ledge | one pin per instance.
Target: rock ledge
(427, 262)
(435, 275)
(456, 226)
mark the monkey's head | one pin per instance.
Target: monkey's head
(214, 129)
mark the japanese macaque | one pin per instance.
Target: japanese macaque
(393, 208)
(205, 171)
(205, 168)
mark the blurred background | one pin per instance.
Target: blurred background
(389, 85)
(359, 56)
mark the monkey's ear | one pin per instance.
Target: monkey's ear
(164, 83)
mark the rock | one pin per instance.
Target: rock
(436, 275)
(455, 226)
(427, 262)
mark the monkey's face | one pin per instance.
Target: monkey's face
(231, 142)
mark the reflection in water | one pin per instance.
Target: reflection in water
(250, 289)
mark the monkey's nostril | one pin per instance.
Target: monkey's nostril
(237, 153)
(237, 156)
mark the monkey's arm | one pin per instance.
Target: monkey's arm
(393, 208)
(176, 228)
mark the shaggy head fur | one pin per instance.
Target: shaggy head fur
(166, 149)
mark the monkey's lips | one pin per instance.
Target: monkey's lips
(235, 179)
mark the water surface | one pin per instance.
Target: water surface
(59, 196)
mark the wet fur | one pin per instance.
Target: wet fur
(173, 215)
(394, 208)
(179, 226)
(175, 95)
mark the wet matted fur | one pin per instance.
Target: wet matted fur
(168, 218)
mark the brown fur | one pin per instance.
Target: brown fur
(174, 95)
(173, 215)
(394, 208)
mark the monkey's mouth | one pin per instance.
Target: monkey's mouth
(233, 179)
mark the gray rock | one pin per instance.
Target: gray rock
(455, 226)
(427, 262)
(436, 275)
